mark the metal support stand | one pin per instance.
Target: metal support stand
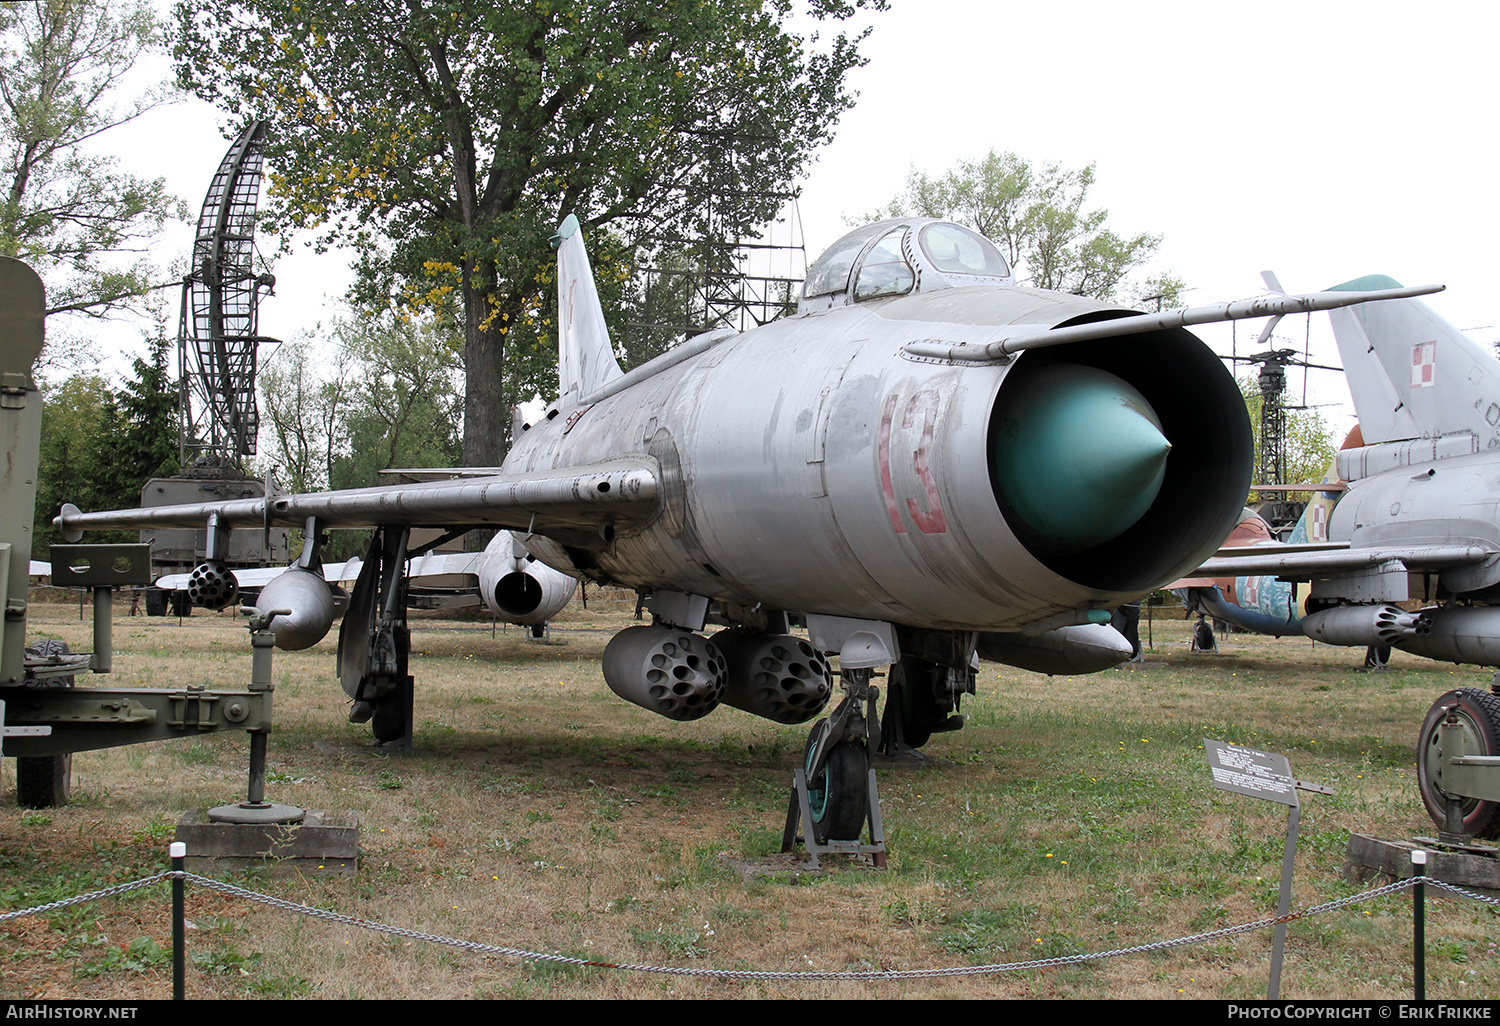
(1419, 927)
(799, 811)
(403, 693)
(306, 841)
(1283, 902)
(255, 808)
(845, 722)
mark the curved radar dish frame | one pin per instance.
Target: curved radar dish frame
(218, 334)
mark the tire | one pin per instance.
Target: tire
(838, 797)
(389, 721)
(45, 781)
(180, 604)
(1479, 715)
(1203, 638)
(909, 697)
(156, 602)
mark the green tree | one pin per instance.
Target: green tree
(1039, 217)
(385, 393)
(148, 408)
(444, 139)
(102, 443)
(304, 408)
(70, 213)
(406, 406)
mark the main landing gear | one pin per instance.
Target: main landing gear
(375, 643)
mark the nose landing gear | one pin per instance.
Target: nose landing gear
(833, 792)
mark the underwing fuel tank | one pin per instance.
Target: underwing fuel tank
(310, 600)
(862, 479)
(517, 587)
(1458, 634)
(1082, 648)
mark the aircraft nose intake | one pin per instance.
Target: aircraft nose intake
(1079, 456)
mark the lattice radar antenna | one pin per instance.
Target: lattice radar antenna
(218, 334)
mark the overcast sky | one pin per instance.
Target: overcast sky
(1322, 140)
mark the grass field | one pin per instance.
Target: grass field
(541, 812)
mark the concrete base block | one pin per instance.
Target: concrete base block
(323, 844)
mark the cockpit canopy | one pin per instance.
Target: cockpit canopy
(899, 256)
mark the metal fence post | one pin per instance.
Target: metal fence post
(1419, 926)
(178, 852)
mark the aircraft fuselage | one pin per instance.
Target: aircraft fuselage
(812, 465)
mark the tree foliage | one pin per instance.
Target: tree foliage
(444, 139)
(384, 394)
(1038, 215)
(102, 443)
(69, 212)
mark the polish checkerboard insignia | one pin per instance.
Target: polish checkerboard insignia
(1423, 359)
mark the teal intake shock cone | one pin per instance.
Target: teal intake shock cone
(1079, 455)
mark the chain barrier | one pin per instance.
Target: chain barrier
(79, 899)
(878, 974)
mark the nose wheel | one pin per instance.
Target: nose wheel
(833, 792)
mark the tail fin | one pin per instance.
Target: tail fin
(1411, 373)
(585, 357)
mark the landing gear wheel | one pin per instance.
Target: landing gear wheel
(1203, 638)
(838, 796)
(908, 698)
(45, 781)
(389, 721)
(1479, 715)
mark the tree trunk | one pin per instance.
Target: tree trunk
(486, 409)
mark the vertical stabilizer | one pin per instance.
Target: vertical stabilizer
(585, 357)
(1411, 373)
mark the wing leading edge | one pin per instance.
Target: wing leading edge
(1303, 565)
(618, 492)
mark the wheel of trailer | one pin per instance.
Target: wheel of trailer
(180, 603)
(156, 601)
(45, 781)
(1479, 716)
(839, 794)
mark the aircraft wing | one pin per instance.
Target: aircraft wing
(345, 572)
(1299, 564)
(571, 501)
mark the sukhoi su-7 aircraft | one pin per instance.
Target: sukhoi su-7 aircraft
(925, 462)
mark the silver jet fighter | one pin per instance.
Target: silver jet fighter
(923, 457)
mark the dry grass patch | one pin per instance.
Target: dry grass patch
(541, 812)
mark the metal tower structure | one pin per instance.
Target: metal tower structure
(218, 333)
